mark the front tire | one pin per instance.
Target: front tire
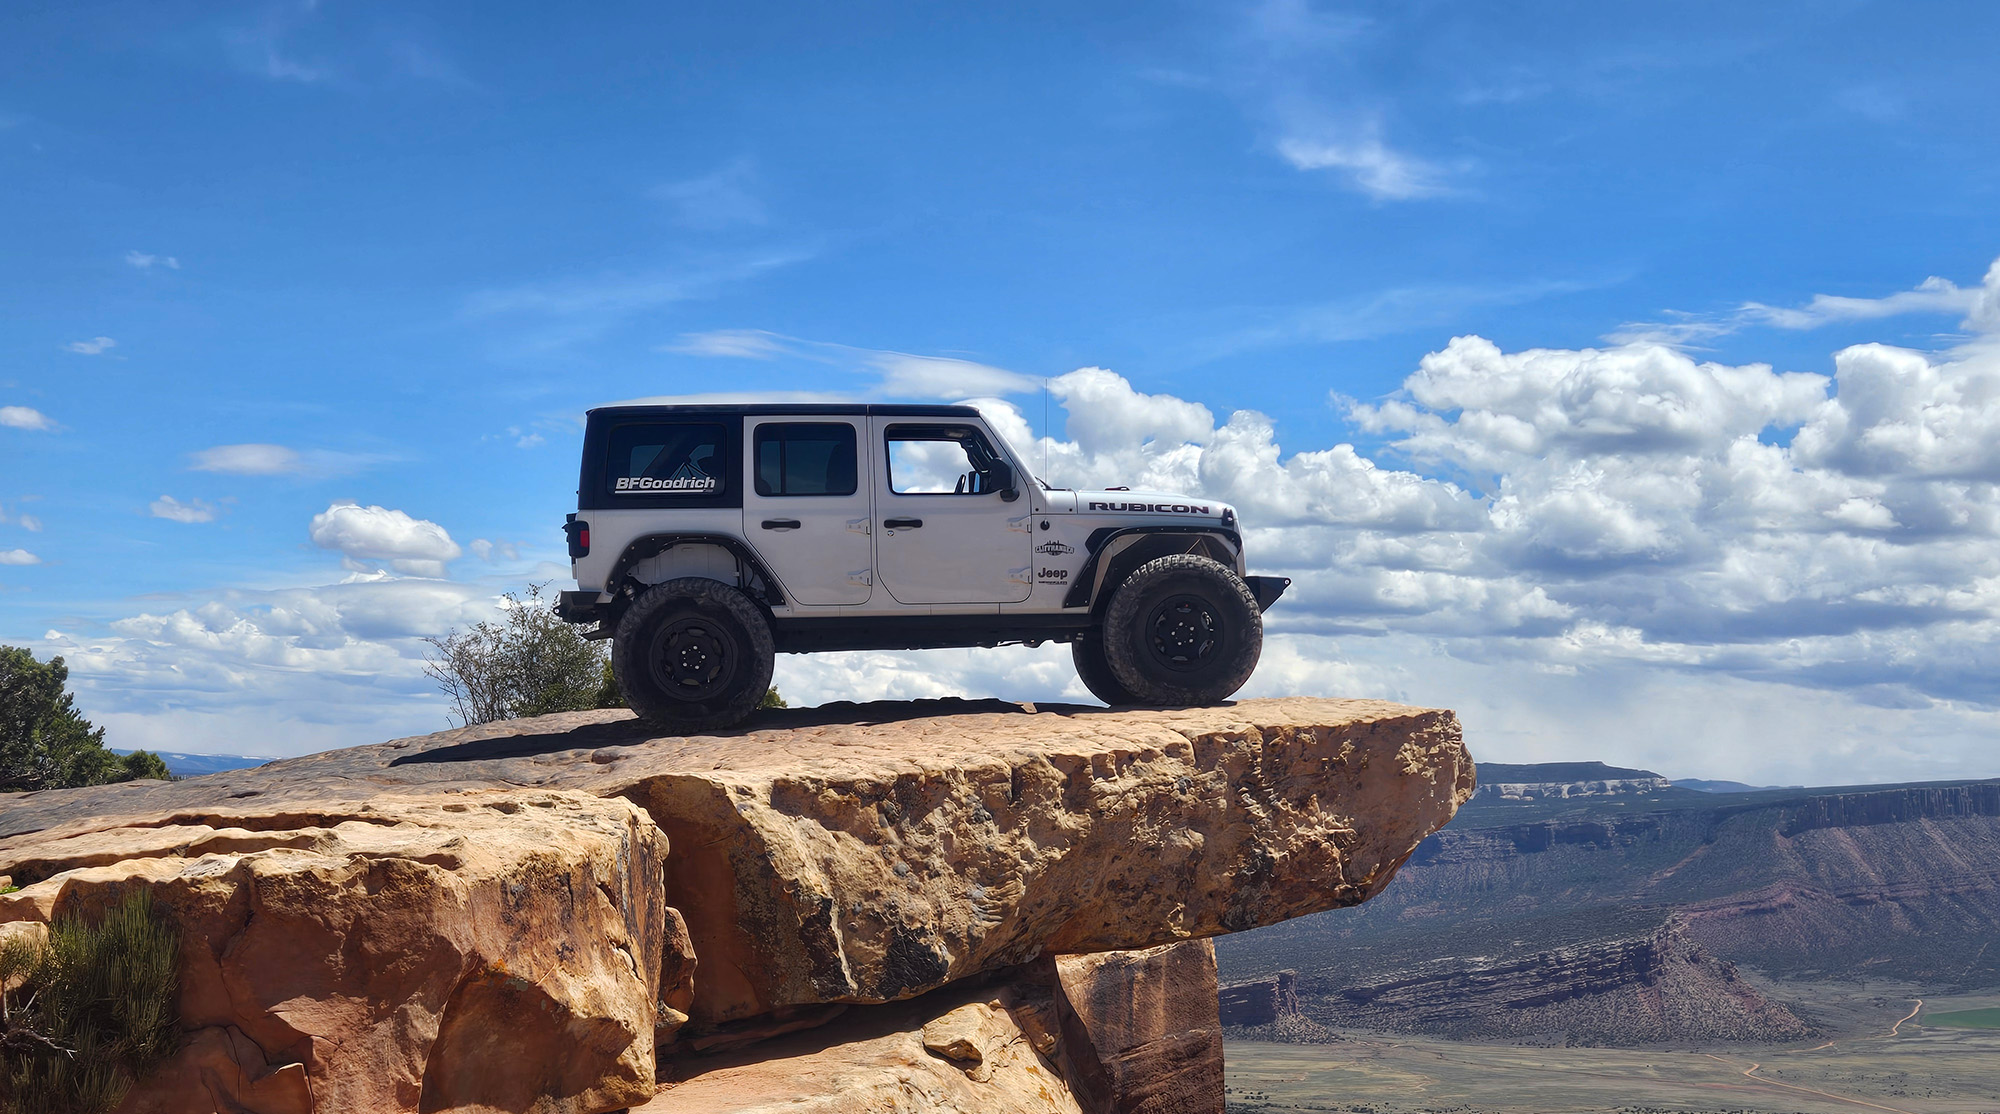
(1183, 630)
(1095, 672)
(693, 654)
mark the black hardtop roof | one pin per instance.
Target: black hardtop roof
(886, 410)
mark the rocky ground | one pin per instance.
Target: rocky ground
(943, 906)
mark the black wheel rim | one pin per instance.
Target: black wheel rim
(1183, 633)
(694, 659)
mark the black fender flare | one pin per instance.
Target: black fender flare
(759, 584)
(1097, 572)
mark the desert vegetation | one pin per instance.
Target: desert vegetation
(89, 1012)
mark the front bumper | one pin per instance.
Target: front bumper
(1267, 589)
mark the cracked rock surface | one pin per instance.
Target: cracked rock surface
(855, 854)
(404, 953)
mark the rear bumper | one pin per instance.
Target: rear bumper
(1267, 589)
(581, 607)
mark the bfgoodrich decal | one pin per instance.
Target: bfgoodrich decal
(673, 485)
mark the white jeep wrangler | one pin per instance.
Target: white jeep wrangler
(707, 538)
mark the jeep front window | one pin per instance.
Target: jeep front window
(939, 462)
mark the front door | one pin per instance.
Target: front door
(945, 533)
(805, 508)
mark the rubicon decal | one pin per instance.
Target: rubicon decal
(676, 485)
(1153, 508)
(1055, 549)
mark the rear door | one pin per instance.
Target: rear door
(944, 532)
(806, 507)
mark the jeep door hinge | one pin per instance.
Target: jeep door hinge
(861, 576)
(858, 525)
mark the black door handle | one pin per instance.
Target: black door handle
(781, 524)
(902, 523)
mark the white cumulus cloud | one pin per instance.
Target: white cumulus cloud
(248, 460)
(23, 417)
(1368, 163)
(488, 550)
(173, 510)
(1978, 308)
(896, 374)
(18, 557)
(96, 346)
(414, 546)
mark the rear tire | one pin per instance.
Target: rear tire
(693, 654)
(1183, 630)
(1095, 672)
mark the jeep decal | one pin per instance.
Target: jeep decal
(1053, 576)
(1055, 549)
(1155, 508)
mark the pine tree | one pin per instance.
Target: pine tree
(45, 743)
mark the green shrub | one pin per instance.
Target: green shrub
(92, 1012)
(530, 663)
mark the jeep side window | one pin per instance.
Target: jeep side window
(940, 460)
(806, 458)
(665, 458)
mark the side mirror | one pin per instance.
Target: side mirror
(1002, 477)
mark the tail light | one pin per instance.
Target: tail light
(578, 533)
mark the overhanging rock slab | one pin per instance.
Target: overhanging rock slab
(870, 862)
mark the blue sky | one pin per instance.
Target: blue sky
(257, 261)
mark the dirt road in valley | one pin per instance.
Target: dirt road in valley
(1751, 1073)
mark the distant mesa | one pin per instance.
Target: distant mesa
(1563, 780)
(1707, 786)
(196, 765)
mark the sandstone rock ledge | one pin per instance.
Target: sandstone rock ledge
(560, 914)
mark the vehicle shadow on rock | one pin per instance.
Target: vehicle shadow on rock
(623, 732)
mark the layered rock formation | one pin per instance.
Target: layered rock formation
(560, 914)
(1131, 1032)
(1597, 920)
(1652, 988)
(1141, 1028)
(1259, 1001)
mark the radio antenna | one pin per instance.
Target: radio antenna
(1048, 434)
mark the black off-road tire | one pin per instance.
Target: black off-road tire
(693, 654)
(1095, 672)
(1183, 630)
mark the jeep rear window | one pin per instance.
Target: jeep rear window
(806, 458)
(665, 458)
